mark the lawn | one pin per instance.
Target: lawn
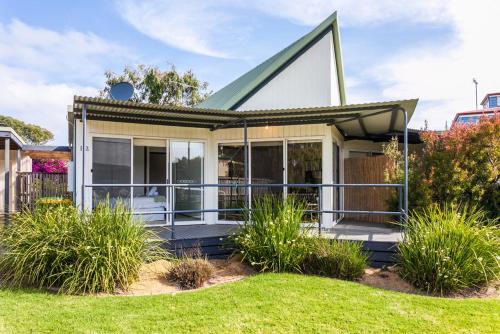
(270, 303)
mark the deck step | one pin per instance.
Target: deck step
(211, 247)
(380, 253)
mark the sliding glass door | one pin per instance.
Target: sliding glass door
(187, 161)
(267, 167)
(111, 164)
(150, 167)
(231, 171)
(336, 179)
(305, 167)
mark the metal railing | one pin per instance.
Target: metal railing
(171, 212)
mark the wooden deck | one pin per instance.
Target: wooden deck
(379, 240)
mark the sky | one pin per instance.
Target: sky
(392, 49)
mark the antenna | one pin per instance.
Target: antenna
(475, 83)
(121, 91)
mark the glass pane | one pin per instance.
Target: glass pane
(187, 168)
(304, 167)
(231, 170)
(336, 179)
(267, 167)
(111, 164)
(150, 167)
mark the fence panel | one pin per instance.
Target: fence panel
(366, 170)
(32, 186)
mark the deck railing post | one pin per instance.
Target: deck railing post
(320, 208)
(172, 230)
(400, 203)
(405, 119)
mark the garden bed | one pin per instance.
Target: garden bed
(152, 280)
(389, 279)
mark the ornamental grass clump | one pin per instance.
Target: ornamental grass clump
(450, 249)
(191, 273)
(272, 238)
(336, 259)
(76, 252)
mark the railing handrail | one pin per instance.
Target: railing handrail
(239, 185)
(320, 211)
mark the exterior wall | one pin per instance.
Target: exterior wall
(309, 81)
(24, 166)
(362, 146)
(327, 135)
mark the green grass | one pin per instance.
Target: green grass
(266, 303)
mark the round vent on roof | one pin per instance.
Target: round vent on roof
(121, 91)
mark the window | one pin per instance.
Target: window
(305, 167)
(187, 168)
(231, 170)
(111, 164)
(267, 167)
(493, 101)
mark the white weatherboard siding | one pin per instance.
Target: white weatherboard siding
(143, 132)
(309, 81)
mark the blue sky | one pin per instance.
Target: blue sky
(392, 49)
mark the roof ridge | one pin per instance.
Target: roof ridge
(245, 85)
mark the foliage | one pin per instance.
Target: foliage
(153, 85)
(272, 238)
(49, 166)
(419, 194)
(51, 202)
(31, 134)
(266, 303)
(191, 273)
(76, 252)
(460, 165)
(336, 258)
(449, 249)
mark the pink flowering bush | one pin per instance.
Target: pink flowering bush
(49, 166)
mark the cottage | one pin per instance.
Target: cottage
(284, 128)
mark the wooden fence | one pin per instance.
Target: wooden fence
(32, 186)
(366, 170)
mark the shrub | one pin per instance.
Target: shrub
(191, 273)
(455, 166)
(450, 249)
(76, 252)
(336, 258)
(50, 202)
(272, 238)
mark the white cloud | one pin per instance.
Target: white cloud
(361, 12)
(215, 27)
(442, 75)
(195, 26)
(41, 70)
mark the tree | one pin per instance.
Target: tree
(153, 85)
(32, 134)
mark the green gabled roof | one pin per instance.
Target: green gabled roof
(235, 93)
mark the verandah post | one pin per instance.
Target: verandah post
(245, 162)
(405, 120)
(84, 143)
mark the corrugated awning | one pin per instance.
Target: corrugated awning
(369, 120)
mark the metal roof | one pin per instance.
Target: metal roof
(356, 120)
(17, 141)
(235, 93)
